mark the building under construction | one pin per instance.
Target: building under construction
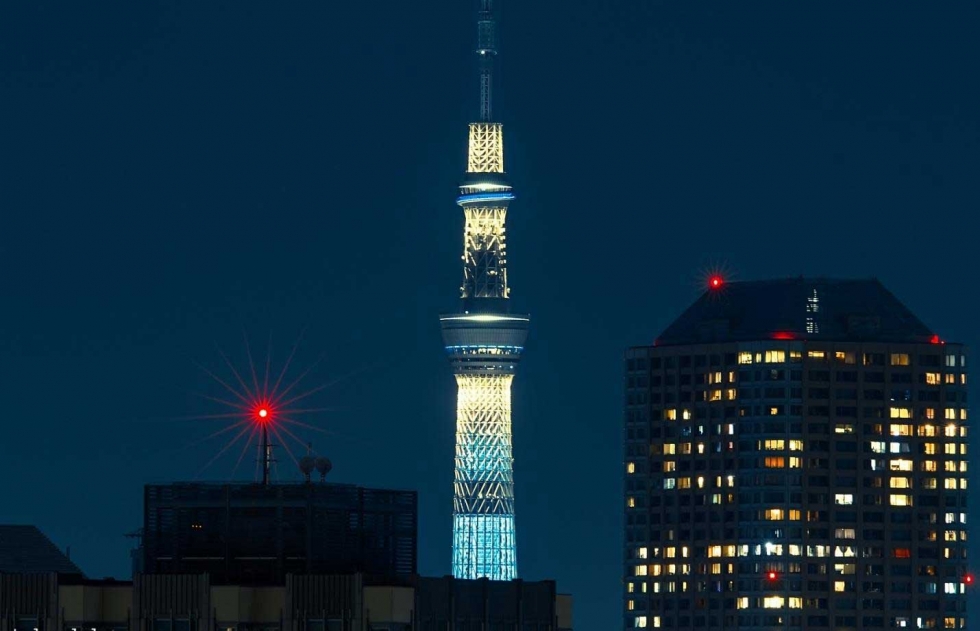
(252, 534)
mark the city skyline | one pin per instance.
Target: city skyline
(176, 174)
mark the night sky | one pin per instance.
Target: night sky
(176, 173)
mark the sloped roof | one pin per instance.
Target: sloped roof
(26, 550)
(797, 308)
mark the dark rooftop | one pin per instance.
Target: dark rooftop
(26, 550)
(797, 308)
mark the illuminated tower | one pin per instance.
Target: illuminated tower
(484, 343)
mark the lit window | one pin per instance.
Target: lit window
(930, 413)
(712, 395)
(773, 602)
(900, 483)
(686, 415)
(878, 446)
(775, 357)
(670, 449)
(794, 514)
(900, 430)
(816, 355)
(640, 570)
(631, 467)
(929, 465)
(670, 414)
(951, 483)
(775, 514)
(847, 358)
(742, 603)
(898, 499)
(731, 394)
(845, 533)
(640, 622)
(950, 449)
(950, 414)
(933, 378)
(775, 462)
(683, 483)
(670, 465)
(796, 602)
(900, 359)
(843, 428)
(796, 445)
(927, 430)
(844, 499)
(670, 483)
(929, 449)
(745, 358)
(901, 412)
(900, 464)
(840, 586)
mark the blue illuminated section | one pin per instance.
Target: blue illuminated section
(476, 198)
(484, 349)
(484, 547)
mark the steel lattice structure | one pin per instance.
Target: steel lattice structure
(484, 343)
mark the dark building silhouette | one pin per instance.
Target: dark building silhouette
(796, 459)
(26, 550)
(257, 534)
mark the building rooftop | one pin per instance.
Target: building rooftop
(797, 308)
(26, 550)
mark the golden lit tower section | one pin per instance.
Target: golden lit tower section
(484, 343)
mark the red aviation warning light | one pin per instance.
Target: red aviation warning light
(772, 576)
(968, 579)
(263, 413)
(715, 281)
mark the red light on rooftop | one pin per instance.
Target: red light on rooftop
(783, 335)
(715, 282)
(935, 340)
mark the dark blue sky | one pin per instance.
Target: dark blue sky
(175, 172)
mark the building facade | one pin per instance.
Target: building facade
(796, 458)
(183, 602)
(484, 342)
(258, 533)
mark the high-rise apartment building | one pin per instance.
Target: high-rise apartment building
(796, 459)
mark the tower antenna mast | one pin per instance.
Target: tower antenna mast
(487, 50)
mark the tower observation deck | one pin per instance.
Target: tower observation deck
(484, 342)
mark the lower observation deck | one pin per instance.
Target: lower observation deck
(484, 342)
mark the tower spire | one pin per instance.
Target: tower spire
(487, 51)
(484, 341)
